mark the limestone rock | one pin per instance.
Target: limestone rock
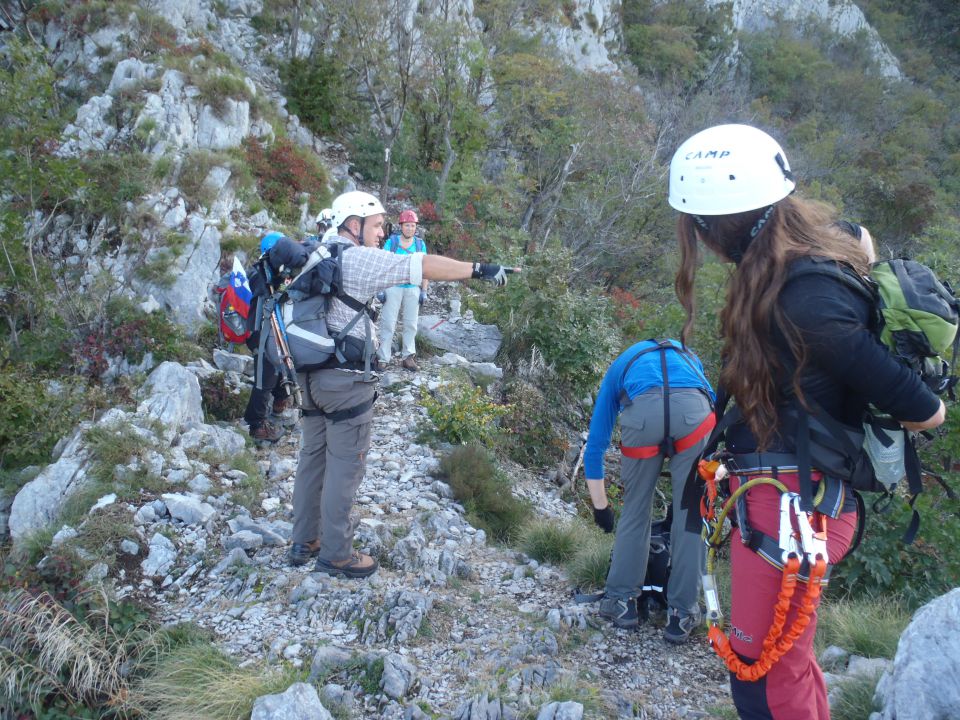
(299, 702)
(923, 683)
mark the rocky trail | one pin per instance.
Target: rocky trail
(464, 628)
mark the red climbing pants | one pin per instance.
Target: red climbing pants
(794, 688)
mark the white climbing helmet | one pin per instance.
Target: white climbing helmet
(325, 216)
(355, 203)
(728, 169)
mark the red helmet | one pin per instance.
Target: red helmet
(408, 216)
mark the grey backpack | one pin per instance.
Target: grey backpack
(313, 345)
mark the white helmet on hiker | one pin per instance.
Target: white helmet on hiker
(728, 169)
(324, 217)
(355, 204)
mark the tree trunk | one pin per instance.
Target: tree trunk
(447, 164)
(295, 30)
(387, 166)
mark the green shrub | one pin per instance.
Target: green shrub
(462, 414)
(529, 436)
(544, 312)
(918, 572)
(128, 332)
(218, 87)
(34, 415)
(548, 540)
(485, 492)
(114, 180)
(870, 627)
(221, 401)
(314, 87)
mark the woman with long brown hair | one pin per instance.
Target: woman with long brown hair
(797, 345)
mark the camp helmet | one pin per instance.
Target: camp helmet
(728, 169)
(355, 203)
(408, 216)
(325, 216)
(269, 240)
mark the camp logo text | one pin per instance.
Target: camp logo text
(708, 154)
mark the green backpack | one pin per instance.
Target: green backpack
(916, 316)
(918, 319)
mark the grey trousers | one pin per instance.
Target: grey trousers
(642, 425)
(333, 458)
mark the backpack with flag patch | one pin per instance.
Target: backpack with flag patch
(234, 305)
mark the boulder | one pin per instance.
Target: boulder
(299, 702)
(39, 502)
(923, 683)
(173, 398)
(474, 341)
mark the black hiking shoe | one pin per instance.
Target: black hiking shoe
(266, 433)
(621, 612)
(302, 553)
(679, 626)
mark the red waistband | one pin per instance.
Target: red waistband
(684, 443)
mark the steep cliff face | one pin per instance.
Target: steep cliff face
(843, 16)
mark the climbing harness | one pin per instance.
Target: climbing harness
(805, 546)
(669, 446)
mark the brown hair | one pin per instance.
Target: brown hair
(752, 369)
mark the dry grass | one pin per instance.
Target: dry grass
(199, 681)
(47, 650)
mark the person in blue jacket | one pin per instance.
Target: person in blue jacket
(665, 405)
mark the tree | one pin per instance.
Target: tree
(379, 45)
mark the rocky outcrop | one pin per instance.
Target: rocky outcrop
(843, 16)
(923, 682)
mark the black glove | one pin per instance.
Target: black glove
(423, 296)
(604, 519)
(382, 296)
(489, 271)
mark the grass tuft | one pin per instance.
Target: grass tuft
(547, 540)
(854, 699)
(870, 627)
(589, 566)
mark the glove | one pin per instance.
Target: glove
(382, 296)
(423, 296)
(489, 271)
(604, 519)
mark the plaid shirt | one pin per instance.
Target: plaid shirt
(367, 271)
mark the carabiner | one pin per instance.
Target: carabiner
(814, 544)
(788, 538)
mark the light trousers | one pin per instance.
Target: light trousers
(404, 302)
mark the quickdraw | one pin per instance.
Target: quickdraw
(808, 542)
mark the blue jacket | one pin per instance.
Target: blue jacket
(392, 244)
(644, 374)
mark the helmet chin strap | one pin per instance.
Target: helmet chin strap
(736, 254)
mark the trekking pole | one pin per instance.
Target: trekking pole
(286, 359)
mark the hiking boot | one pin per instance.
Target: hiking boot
(679, 626)
(281, 405)
(410, 363)
(266, 432)
(621, 612)
(302, 553)
(357, 565)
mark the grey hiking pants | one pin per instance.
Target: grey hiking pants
(333, 458)
(641, 425)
